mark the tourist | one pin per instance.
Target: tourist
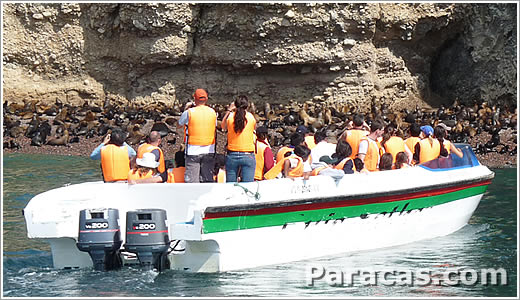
(292, 166)
(360, 166)
(369, 148)
(145, 170)
(385, 163)
(415, 132)
(152, 145)
(357, 129)
(323, 147)
(115, 155)
(440, 133)
(343, 155)
(263, 153)
(401, 160)
(199, 122)
(177, 174)
(394, 144)
(240, 125)
(429, 147)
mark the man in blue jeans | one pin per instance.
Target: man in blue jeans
(199, 122)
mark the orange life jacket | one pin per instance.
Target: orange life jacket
(176, 175)
(341, 165)
(372, 156)
(115, 162)
(411, 141)
(278, 168)
(145, 148)
(394, 145)
(259, 156)
(245, 140)
(309, 141)
(428, 151)
(353, 138)
(134, 175)
(281, 152)
(201, 125)
(316, 171)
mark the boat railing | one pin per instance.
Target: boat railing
(468, 160)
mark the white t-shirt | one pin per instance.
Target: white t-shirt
(322, 148)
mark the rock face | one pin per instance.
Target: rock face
(400, 55)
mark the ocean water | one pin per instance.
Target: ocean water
(488, 241)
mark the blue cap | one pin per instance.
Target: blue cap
(427, 130)
(301, 129)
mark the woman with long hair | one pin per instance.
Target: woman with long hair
(240, 125)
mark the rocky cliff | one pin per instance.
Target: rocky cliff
(402, 55)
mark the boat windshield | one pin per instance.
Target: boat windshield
(468, 160)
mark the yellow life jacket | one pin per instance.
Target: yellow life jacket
(341, 165)
(146, 148)
(281, 152)
(410, 142)
(201, 126)
(115, 162)
(245, 140)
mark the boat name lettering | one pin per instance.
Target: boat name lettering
(96, 225)
(301, 189)
(144, 226)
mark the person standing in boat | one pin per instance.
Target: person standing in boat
(146, 170)
(358, 129)
(370, 150)
(199, 121)
(152, 146)
(263, 153)
(115, 155)
(240, 125)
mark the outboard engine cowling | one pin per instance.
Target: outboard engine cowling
(147, 236)
(100, 236)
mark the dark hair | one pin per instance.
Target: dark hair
(440, 134)
(179, 159)
(241, 104)
(302, 151)
(117, 137)
(343, 150)
(376, 125)
(358, 120)
(320, 136)
(415, 130)
(220, 161)
(359, 164)
(385, 163)
(389, 131)
(400, 159)
(297, 138)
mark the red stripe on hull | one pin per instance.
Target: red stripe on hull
(342, 203)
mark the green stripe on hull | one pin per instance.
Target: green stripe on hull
(278, 219)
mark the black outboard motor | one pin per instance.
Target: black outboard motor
(100, 236)
(147, 236)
